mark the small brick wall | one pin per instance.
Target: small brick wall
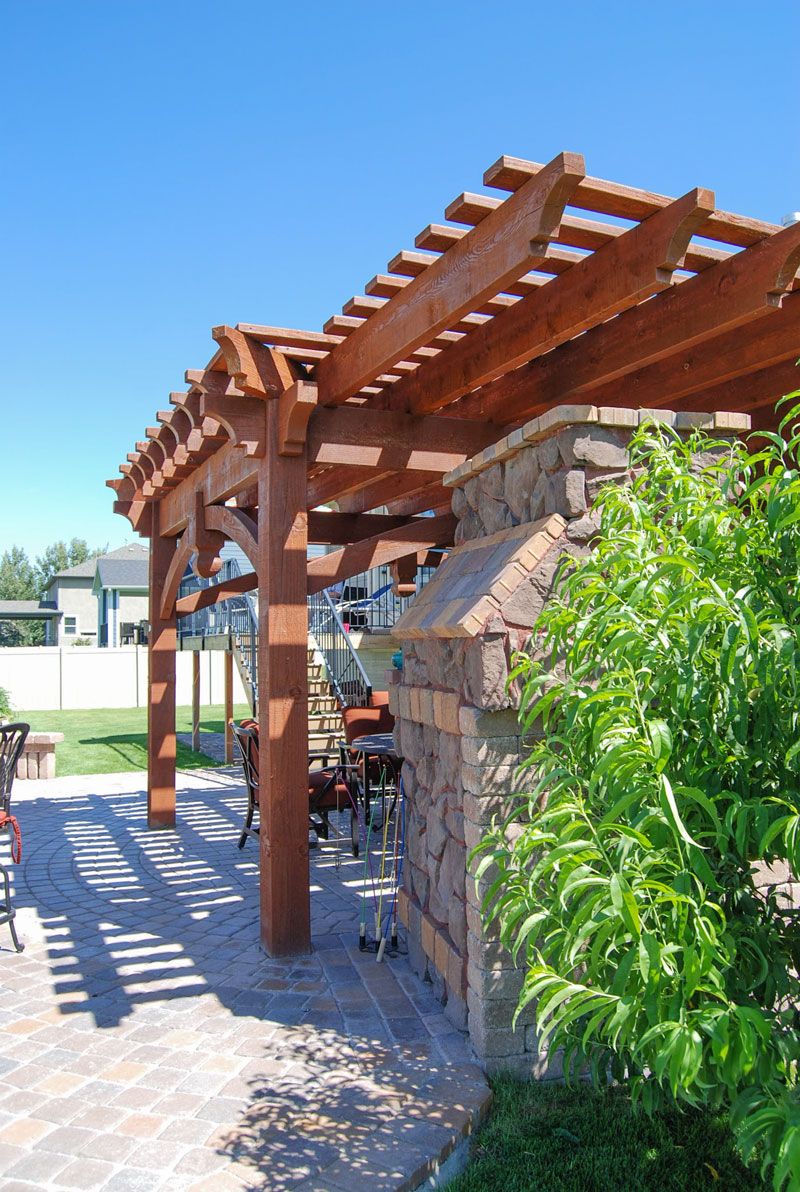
(38, 757)
(456, 722)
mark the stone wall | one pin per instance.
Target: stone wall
(456, 721)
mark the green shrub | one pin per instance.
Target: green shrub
(6, 710)
(666, 765)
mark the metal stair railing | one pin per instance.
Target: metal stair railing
(346, 673)
(364, 602)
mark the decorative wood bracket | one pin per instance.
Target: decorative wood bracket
(206, 542)
(141, 466)
(257, 370)
(242, 417)
(295, 407)
(404, 575)
(691, 211)
(178, 564)
(236, 525)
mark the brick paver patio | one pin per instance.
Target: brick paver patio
(147, 1042)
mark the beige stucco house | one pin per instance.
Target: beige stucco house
(103, 599)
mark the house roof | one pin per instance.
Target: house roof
(30, 610)
(120, 572)
(86, 570)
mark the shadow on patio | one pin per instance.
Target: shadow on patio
(147, 1034)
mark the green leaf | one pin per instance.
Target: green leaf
(660, 741)
(624, 902)
(671, 810)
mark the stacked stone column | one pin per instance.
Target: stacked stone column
(456, 720)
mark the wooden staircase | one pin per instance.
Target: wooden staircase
(325, 727)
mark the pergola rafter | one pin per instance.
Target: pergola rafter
(554, 286)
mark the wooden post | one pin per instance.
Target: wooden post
(283, 698)
(228, 707)
(196, 700)
(161, 687)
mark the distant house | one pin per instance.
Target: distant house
(104, 599)
(121, 587)
(32, 610)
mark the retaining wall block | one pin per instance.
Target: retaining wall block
(498, 1014)
(496, 780)
(491, 751)
(446, 711)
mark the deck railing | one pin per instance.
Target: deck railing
(346, 674)
(364, 603)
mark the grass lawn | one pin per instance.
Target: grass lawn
(112, 740)
(549, 1138)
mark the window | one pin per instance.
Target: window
(70, 625)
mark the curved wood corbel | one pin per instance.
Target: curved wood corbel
(788, 242)
(691, 211)
(153, 448)
(236, 525)
(295, 407)
(179, 422)
(257, 370)
(142, 463)
(189, 403)
(177, 568)
(125, 487)
(170, 422)
(241, 416)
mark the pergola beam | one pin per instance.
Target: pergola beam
(216, 593)
(750, 286)
(423, 534)
(369, 438)
(385, 490)
(224, 474)
(612, 279)
(629, 202)
(340, 529)
(716, 361)
(497, 251)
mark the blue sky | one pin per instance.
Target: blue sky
(174, 165)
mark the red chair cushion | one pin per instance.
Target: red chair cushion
(361, 722)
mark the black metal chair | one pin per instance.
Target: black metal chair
(12, 741)
(328, 786)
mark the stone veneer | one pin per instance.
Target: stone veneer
(525, 502)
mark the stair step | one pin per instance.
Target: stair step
(317, 741)
(325, 723)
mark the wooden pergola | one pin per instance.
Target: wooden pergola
(517, 303)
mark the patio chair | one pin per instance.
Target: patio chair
(361, 722)
(370, 773)
(12, 741)
(327, 785)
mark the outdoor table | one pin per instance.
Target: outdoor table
(381, 778)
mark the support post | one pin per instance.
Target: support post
(196, 700)
(161, 645)
(283, 698)
(228, 707)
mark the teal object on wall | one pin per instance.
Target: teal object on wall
(397, 660)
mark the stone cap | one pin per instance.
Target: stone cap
(560, 416)
(43, 739)
(476, 579)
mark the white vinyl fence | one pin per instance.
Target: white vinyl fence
(44, 678)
